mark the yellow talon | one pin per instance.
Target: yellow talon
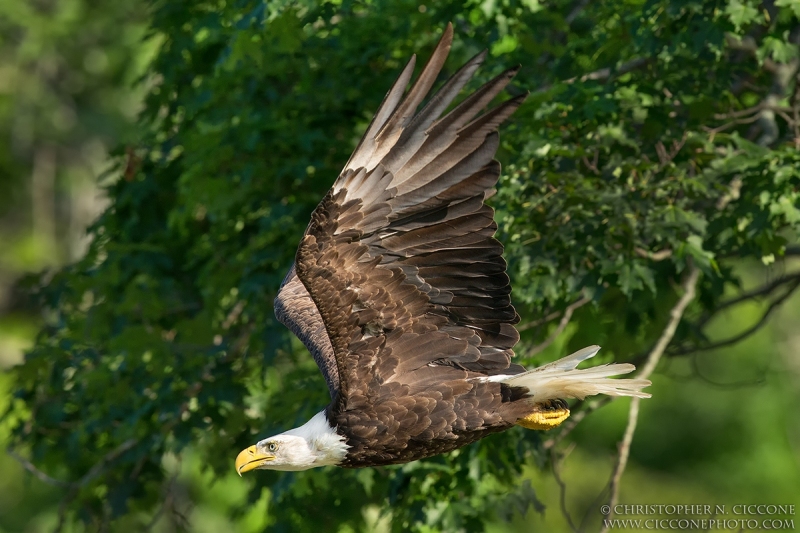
(546, 416)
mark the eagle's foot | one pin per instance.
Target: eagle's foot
(546, 415)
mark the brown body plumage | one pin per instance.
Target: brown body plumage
(399, 288)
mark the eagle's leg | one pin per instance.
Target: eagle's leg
(545, 415)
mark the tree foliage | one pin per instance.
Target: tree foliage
(656, 136)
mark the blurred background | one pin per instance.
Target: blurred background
(70, 91)
(722, 426)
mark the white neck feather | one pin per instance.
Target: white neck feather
(319, 432)
(313, 444)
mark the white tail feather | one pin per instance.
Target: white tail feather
(561, 379)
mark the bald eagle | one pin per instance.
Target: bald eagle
(399, 291)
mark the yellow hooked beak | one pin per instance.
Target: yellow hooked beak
(251, 458)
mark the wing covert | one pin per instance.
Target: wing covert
(295, 309)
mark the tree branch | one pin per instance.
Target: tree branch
(733, 193)
(30, 467)
(622, 461)
(698, 373)
(796, 112)
(540, 321)
(665, 156)
(592, 165)
(792, 279)
(575, 11)
(743, 113)
(555, 463)
(565, 318)
(660, 255)
(168, 500)
(764, 290)
(93, 472)
(689, 288)
(728, 125)
(744, 334)
(605, 74)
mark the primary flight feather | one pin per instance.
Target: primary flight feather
(399, 291)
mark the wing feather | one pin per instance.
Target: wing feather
(400, 259)
(295, 309)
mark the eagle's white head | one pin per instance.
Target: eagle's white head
(313, 444)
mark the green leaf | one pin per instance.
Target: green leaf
(741, 13)
(781, 50)
(794, 5)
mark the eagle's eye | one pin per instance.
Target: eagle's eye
(272, 446)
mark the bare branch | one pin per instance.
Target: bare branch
(689, 288)
(764, 110)
(555, 463)
(592, 165)
(98, 468)
(605, 74)
(665, 156)
(764, 290)
(540, 321)
(622, 461)
(735, 385)
(168, 500)
(737, 122)
(733, 193)
(132, 163)
(83, 481)
(782, 75)
(30, 467)
(746, 333)
(653, 256)
(750, 111)
(93, 472)
(233, 316)
(796, 113)
(575, 11)
(565, 318)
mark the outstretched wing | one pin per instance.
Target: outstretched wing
(399, 258)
